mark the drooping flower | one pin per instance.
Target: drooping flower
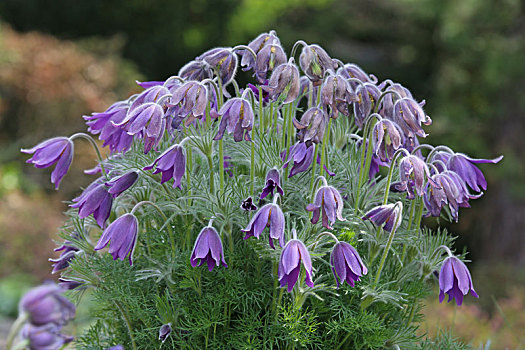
(264, 39)
(314, 62)
(237, 118)
(464, 166)
(121, 235)
(312, 125)
(94, 200)
(284, 83)
(189, 101)
(337, 93)
(413, 171)
(265, 92)
(208, 248)
(172, 165)
(346, 264)
(272, 183)
(351, 70)
(58, 150)
(45, 337)
(270, 216)
(409, 115)
(121, 183)
(301, 155)
(329, 201)
(196, 70)
(69, 284)
(164, 332)
(268, 58)
(389, 216)
(387, 138)
(248, 205)
(68, 252)
(455, 280)
(46, 305)
(367, 96)
(293, 256)
(224, 60)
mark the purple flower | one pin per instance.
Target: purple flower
(116, 347)
(270, 216)
(367, 95)
(464, 166)
(208, 248)
(455, 280)
(337, 93)
(301, 155)
(409, 115)
(59, 151)
(121, 235)
(351, 70)
(68, 252)
(196, 70)
(284, 83)
(237, 118)
(272, 183)
(46, 304)
(293, 256)
(68, 284)
(190, 101)
(148, 84)
(164, 332)
(329, 201)
(412, 172)
(389, 216)
(172, 164)
(268, 58)
(222, 58)
(119, 184)
(387, 137)
(248, 205)
(265, 93)
(346, 264)
(312, 125)
(94, 200)
(314, 62)
(228, 166)
(264, 39)
(46, 337)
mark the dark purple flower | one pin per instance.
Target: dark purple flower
(301, 155)
(389, 216)
(387, 138)
(153, 94)
(68, 252)
(172, 164)
(228, 166)
(236, 117)
(268, 58)
(189, 101)
(346, 264)
(248, 205)
(196, 70)
(94, 200)
(59, 151)
(409, 115)
(270, 216)
(164, 332)
(314, 62)
(337, 93)
(464, 166)
(351, 70)
(272, 183)
(367, 96)
(284, 83)
(208, 248)
(312, 125)
(329, 201)
(224, 60)
(121, 235)
(455, 280)
(46, 304)
(293, 256)
(119, 184)
(265, 92)
(412, 172)
(387, 104)
(69, 284)
(264, 39)
(446, 193)
(46, 337)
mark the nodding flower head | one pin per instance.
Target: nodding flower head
(293, 256)
(314, 62)
(121, 235)
(189, 101)
(196, 70)
(389, 216)
(237, 118)
(208, 248)
(44, 337)
(268, 58)
(47, 305)
(172, 165)
(367, 96)
(224, 60)
(413, 171)
(312, 125)
(346, 264)
(328, 200)
(351, 70)
(284, 83)
(464, 166)
(58, 150)
(337, 93)
(270, 216)
(94, 200)
(264, 39)
(455, 280)
(121, 183)
(301, 154)
(409, 115)
(272, 183)
(387, 138)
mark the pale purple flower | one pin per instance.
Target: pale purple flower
(268, 58)
(455, 280)
(270, 216)
(208, 248)
(337, 93)
(351, 70)
(367, 96)
(284, 83)
(236, 117)
(387, 138)
(164, 332)
(46, 305)
(301, 155)
(68, 252)
(121, 235)
(312, 125)
(272, 183)
(94, 200)
(389, 216)
(327, 200)
(196, 70)
(314, 62)
(121, 183)
(293, 256)
(346, 264)
(190, 101)
(413, 171)
(58, 150)
(224, 60)
(409, 115)
(45, 337)
(264, 39)
(172, 165)
(464, 166)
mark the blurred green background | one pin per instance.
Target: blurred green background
(62, 59)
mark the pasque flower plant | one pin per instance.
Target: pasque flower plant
(253, 160)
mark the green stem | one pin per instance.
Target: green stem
(15, 329)
(419, 214)
(128, 324)
(325, 141)
(189, 168)
(410, 220)
(390, 173)
(212, 182)
(387, 249)
(316, 152)
(344, 341)
(285, 121)
(252, 169)
(164, 217)
(95, 147)
(221, 166)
